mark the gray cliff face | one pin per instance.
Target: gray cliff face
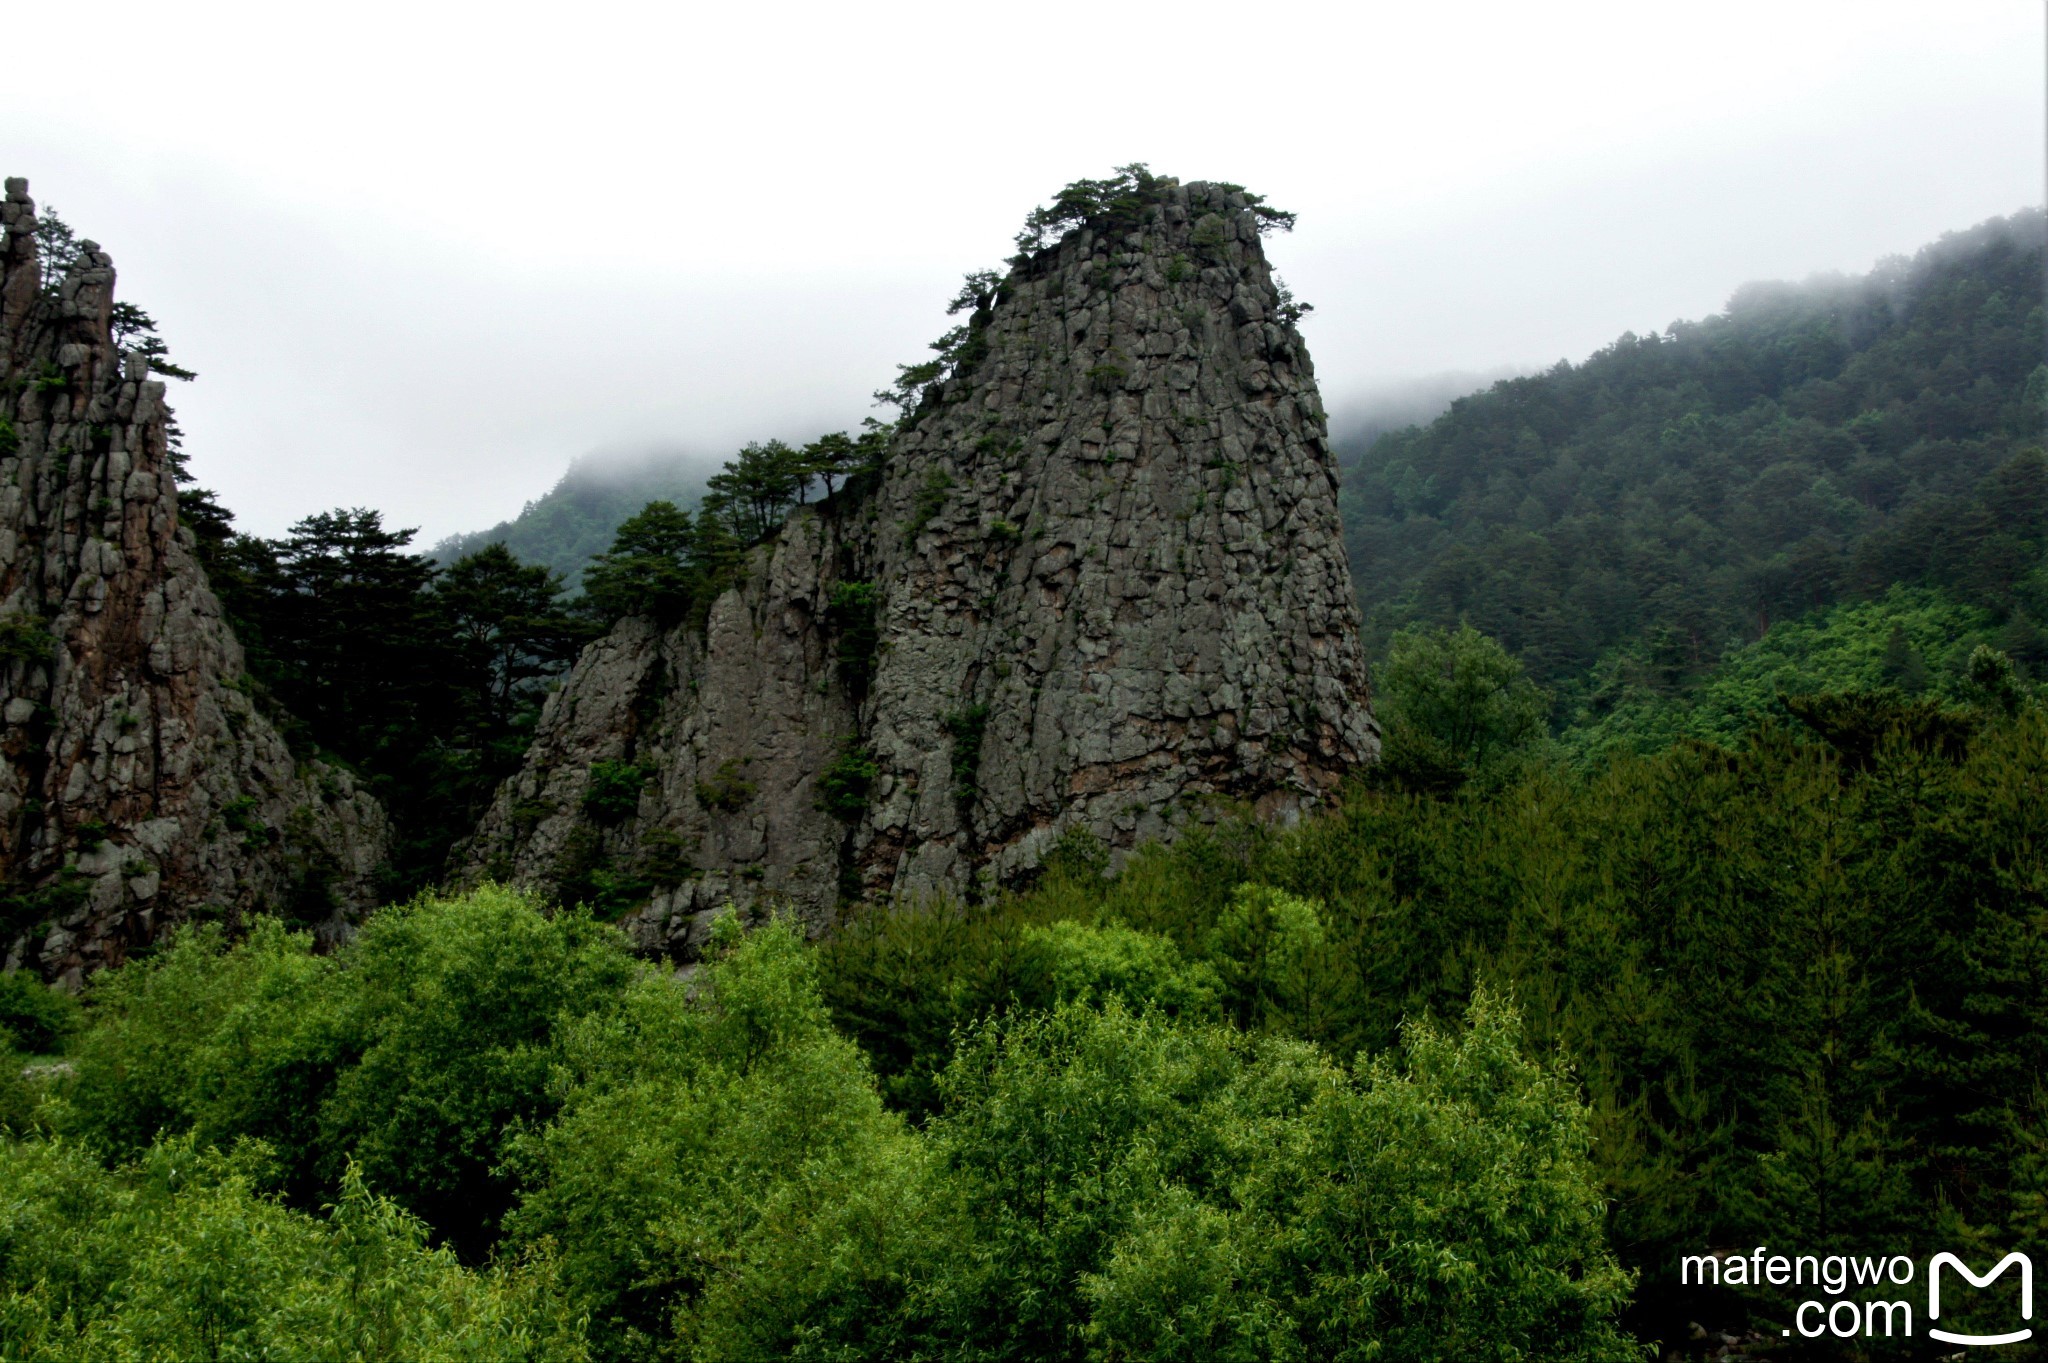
(715, 739)
(1111, 587)
(137, 782)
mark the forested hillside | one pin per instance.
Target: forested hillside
(1622, 523)
(575, 519)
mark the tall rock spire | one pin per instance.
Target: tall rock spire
(1108, 583)
(138, 784)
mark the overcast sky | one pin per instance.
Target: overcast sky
(423, 255)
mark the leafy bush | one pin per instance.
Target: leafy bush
(228, 1041)
(850, 613)
(966, 728)
(181, 1255)
(611, 794)
(1911, 639)
(25, 640)
(723, 1171)
(36, 1016)
(1455, 705)
(1072, 962)
(18, 1096)
(930, 501)
(1213, 1195)
(458, 1003)
(413, 1051)
(843, 785)
(726, 789)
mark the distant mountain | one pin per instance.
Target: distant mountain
(1622, 524)
(578, 516)
(1368, 413)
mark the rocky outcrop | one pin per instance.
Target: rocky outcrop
(138, 783)
(1109, 590)
(681, 767)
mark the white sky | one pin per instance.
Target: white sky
(422, 255)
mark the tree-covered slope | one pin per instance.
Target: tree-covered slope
(1676, 494)
(576, 519)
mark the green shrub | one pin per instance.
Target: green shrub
(25, 640)
(665, 857)
(171, 1047)
(38, 1017)
(723, 1174)
(412, 1051)
(726, 789)
(1072, 962)
(181, 1255)
(459, 1002)
(1265, 948)
(1107, 378)
(19, 1099)
(930, 501)
(27, 909)
(611, 793)
(843, 785)
(1455, 705)
(966, 728)
(851, 615)
(1213, 1195)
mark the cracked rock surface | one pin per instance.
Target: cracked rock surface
(1111, 588)
(138, 782)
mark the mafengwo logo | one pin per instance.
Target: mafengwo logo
(1863, 1316)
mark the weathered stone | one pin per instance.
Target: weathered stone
(137, 780)
(1111, 587)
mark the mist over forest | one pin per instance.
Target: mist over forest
(573, 521)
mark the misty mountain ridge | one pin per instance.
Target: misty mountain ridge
(1624, 523)
(576, 518)
(1380, 406)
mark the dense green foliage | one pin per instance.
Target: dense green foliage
(34, 1016)
(257, 1144)
(182, 1255)
(1804, 981)
(663, 563)
(411, 1053)
(1677, 494)
(425, 680)
(670, 564)
(1915, 641)
(1802, 984)
(1454, 705)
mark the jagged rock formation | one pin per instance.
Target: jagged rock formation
(138, 784)
(1109, 583)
